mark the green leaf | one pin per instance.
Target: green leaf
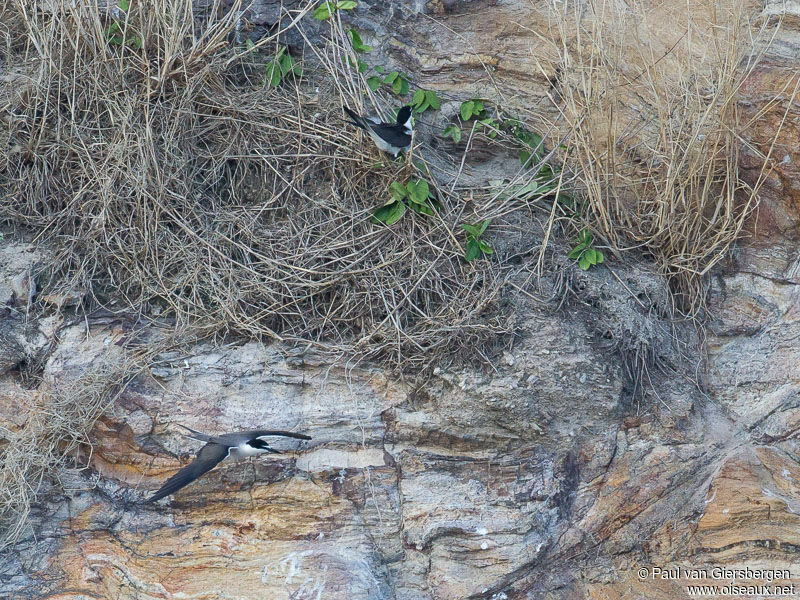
(423, 190)
(362, 66)
(419, 97)
(485, 248)
(520, 191)
(274, 75)
(374, 82)
(590, 256)
(418, 191)
(421, 109)
(584, 263)
(528, 137)
(524, 157)
(527, 190)
(111, 30)
(323, 11)
(400, 86)
(390, 214)
(380, 69)
(432, 99)
(346, 5)
(391, 77)
(418, 194)
(466, 109)
(478, 106)
(135, 42)
(598, 258)
(124, 5)
(422, 208)
(454, 131)
(287, 64)
(473, 250)
(483, 226)
(546, 172)
(576, 252)
(398, 190)
(535, 142)
(472, 230)
(358, 45)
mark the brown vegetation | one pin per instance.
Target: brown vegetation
(655, 128)
(170, 176)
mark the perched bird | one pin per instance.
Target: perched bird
(389, 137)
(238, 445)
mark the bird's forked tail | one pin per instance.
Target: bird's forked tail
(356, 119)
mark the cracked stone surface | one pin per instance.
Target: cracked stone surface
(544, 477)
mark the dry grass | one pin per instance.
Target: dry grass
(168, 179)
(171, 177)
(651, 95)
(59, 418)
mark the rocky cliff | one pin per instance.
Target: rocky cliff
(547, 475)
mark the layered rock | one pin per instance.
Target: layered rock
(551, 474)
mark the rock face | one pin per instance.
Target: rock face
(549, 475)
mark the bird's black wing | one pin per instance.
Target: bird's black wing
(197, 435)
(209, 457)
(234, 439)
(394, 134)
(240, 437)
(264, 432)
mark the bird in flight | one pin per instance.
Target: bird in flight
(389, 137)
(240, 444)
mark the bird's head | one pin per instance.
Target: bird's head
(404, 117)
(260, 444)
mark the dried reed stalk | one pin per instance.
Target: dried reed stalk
(170, 176)
(650, 94)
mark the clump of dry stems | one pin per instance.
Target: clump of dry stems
(166, 176)
(59, 418)
(171, 176)
(164, 172)
(650, 94)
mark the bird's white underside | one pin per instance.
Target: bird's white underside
(380, 143)
(244, 450)
(383, 145)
